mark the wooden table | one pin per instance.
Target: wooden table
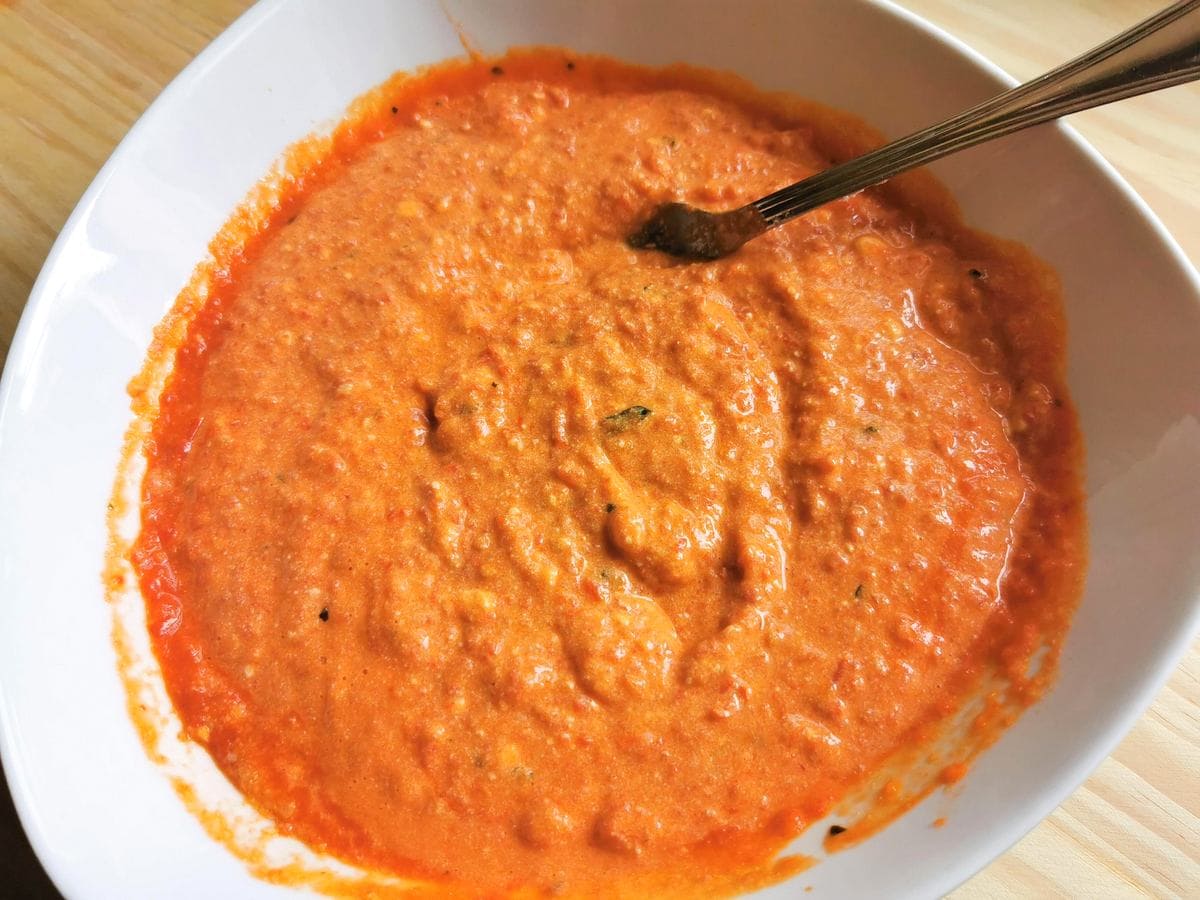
(75, 74)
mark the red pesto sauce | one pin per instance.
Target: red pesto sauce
(481, 548)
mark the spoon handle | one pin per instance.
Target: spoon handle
(1162, 51)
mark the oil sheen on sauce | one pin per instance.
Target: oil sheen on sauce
(479, 547)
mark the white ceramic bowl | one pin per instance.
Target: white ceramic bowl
(103, 818)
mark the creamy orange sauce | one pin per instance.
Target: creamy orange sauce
(479, 547)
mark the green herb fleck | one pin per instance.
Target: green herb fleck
(624, 419)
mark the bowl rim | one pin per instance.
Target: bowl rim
(33, 320)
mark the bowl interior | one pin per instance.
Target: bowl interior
(104, 820)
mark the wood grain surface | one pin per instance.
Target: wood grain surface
(75, 74)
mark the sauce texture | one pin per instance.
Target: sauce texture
(479, 547)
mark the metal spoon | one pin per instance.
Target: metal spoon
(1162, 51)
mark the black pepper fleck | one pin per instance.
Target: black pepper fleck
(570, 66)
(324, 615)
(835, 830)
(496, 70)
(395, 109)
(858, 592)
(610, 507)
(975, 273)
